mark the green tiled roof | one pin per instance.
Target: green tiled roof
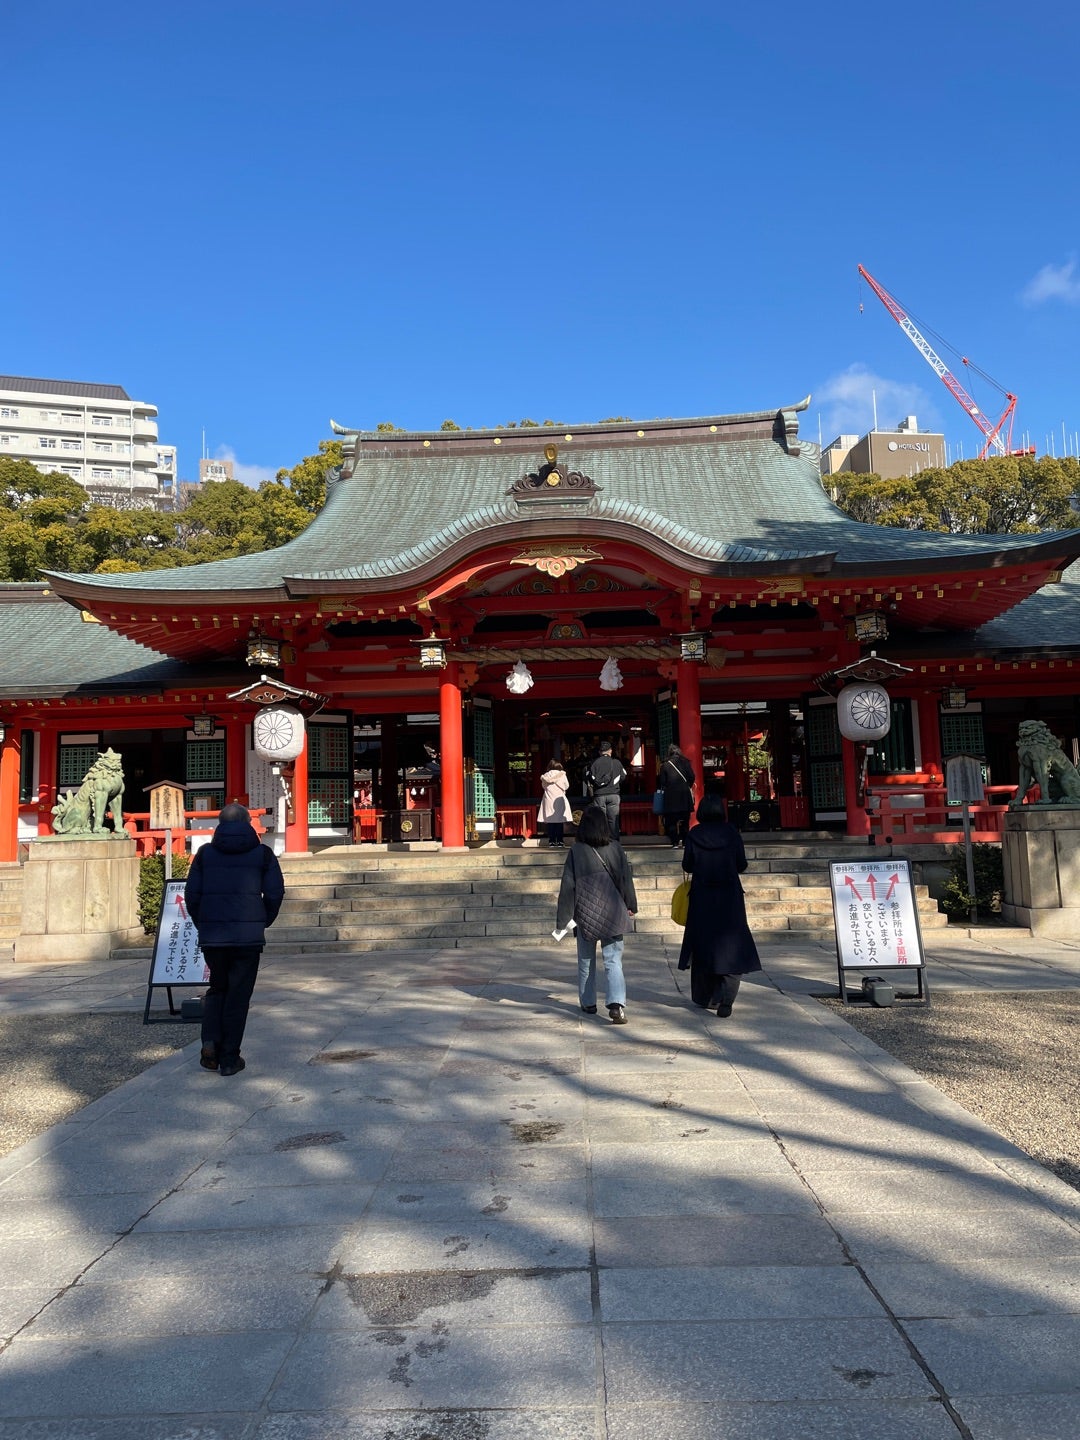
(49, 650)
(729, 500)
(1047, 620)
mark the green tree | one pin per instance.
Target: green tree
(307, 479)
(1002, 495)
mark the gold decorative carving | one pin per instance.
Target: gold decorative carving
(557, 565)
(785, 586)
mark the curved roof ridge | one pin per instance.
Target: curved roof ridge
(550, 430)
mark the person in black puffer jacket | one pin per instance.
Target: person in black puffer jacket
(597, 893)
(234, 891)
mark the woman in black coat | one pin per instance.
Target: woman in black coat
(717, 945)
(676, 779)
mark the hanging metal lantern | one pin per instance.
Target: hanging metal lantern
(277, 733)
(864, 712)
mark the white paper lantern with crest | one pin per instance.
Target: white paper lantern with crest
(863, 712)
(277, 733)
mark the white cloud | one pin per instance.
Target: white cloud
(846, 403)
(251, 475)
(1053, 282)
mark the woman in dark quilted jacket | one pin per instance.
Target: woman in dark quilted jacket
(597, 893)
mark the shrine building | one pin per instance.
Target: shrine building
(470, 605)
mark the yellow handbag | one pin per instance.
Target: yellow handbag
(680, 903)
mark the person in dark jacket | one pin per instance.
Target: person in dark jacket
(234, 891)
(605, 775)
(597, 893)
(717, 948)
(676, 779)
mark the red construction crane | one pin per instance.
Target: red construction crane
(992, 431)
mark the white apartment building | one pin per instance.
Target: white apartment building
(95, 433)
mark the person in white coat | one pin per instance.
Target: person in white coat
(554, 809)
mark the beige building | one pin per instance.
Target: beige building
(95, 433)
(212, 470)
(892, 454)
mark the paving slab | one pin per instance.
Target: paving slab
(823, 1420)
(440, 1365)
(971, 1287)
(442, 1202)
(406, 1424)
(1026, 1417)
(729, 1361)
(135, 1375)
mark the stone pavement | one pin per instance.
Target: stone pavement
(442, 1204)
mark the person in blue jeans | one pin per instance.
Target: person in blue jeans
(597, 893)
(234, 891)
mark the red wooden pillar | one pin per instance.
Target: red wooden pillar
(858, 821)
(689, 694)
(236, 760)
(296, 830)
(930, 732)
(48, 740)
(451, 759)
(10, 757)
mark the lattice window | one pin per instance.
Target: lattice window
(483, 797)
(827, 785)
(329, 800)
(664, 729)
(822, 730)
(963, 735)
(328, 748)
(72, 763)
(483, 739)
(204, 761)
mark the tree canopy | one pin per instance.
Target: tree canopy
(1002, 495)
(49, 522)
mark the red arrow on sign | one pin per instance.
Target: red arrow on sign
(849, 881)
(894, 880)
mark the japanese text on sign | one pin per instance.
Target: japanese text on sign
(874, 910)
(177, 957)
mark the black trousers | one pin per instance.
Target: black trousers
(676, 824)
(610, 806)
(233, 972)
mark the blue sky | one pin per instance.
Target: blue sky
(260, 215)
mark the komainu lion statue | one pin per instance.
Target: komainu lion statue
(1044, 763)
(83, 811)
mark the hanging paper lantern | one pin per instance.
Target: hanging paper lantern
(277, 733)
(611, 676)
(863, 711)
(520, 679)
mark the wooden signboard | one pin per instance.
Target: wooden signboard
(877, 921)
(166, 806)
(177, 960)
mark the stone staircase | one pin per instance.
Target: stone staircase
(360, 898)
(11, 886)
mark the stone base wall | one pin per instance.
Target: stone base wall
(80, 899)
(1041, 857)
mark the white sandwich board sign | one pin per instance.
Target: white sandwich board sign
(177, 959)
(876, 918)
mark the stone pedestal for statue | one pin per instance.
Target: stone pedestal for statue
(80, 899)
(1041, 855)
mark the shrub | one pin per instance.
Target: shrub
(152, 886)
(956, 900)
